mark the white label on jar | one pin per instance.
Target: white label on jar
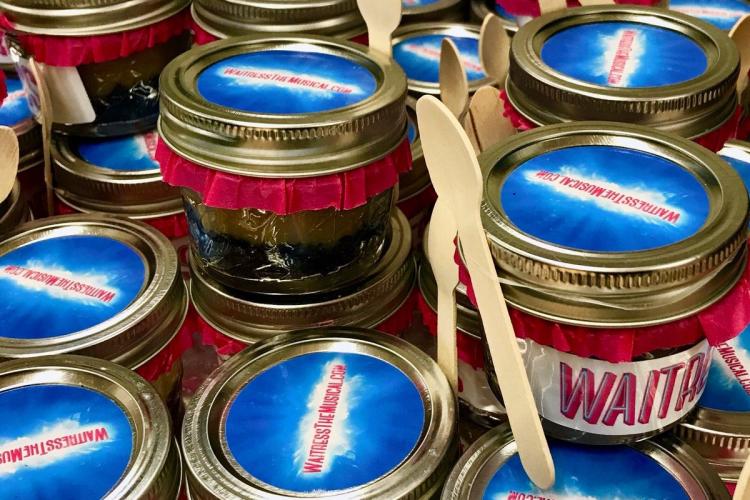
(615, 399)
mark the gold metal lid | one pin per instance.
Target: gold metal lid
(419, 11)
(662, 467)
(87, 17)
(86, 425)
(368, 416)
(97, 285)
(13, 209)
(416, 47)
(252, 318)
(225, 18)
(125, 180)
(623, 63)
(291, 106)
(480, 9)
(606, 224)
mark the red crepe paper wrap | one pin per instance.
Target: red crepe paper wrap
(201, 36)
(363, 39)
(718, 323)
(172, 226)
(470, 349)
(342, 191)
(226, 346)
(531, 7)
(731, 487)
(713, 140)
(163, 362)
(422, 201)
(3, 88)
(78, 50)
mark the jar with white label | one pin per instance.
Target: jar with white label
(16, 114)
(721, 13)
(661, 468)
(420, 11)
(218, 19)
(95, 285)
(118, 176)
(382, 299)
(720, 427)
(327, 413)
(416, 48)
(475, 396)
(622, 253)
(101, 59)
(638, 65)
(80, 427)
(288, 151)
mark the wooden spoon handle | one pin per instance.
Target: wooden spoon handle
(547, 6)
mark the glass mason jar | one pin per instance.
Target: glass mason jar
(13, 210)
(288, 151)
(637, 65)
(99, 286)
(101, 60)
(420, 11)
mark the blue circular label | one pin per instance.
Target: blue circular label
(604, 199)
(411, 131)
(64, 285)
(620, 54)
(721, 13)
(419, 56)
(500, 11)
(325, 421)
(61, 442)
(15, 108)
(130, 154)
(728, 382)
(589, 472)
(408, 4)
(286, 82)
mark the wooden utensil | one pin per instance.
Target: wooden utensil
(494, 49)
(740, 33)
(382, 18)
(8, 161)
(454, 84)
(547, 6)
(486, 120)
(742, 491)
(457, 179)
(45, 121)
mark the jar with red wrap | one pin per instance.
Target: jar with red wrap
(100, 59)
(637, 65)
(383, 299)
(96, 285)
(218, 19)
(622, 254)
(118, 176)
(288, 151)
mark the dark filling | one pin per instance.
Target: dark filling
(125, 93)
(230, 259)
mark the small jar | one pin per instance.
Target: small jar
(288, 151)
(118, 176)
(368, 416)
(420, 11)
(96, 285)
(661, 468)
(382, 299)
(13, 210)
(16, 114)
(475, 395)
(101, 60)
(623, 248)
(416, 48)
(218, 19)
(530, 8)
(720, 428)
(85, 428)
(721, 13)
(636, 65)
(737, 155)
(481, 8)
(416, 196)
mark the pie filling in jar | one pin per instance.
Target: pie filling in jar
(99, 286)
(86, 428)
(664, 467)
(288, 151)
(218, 19)
(368, 416)
(383, 300)
(636, 65)
(118, 176)
(622, 255)
(100, 60)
